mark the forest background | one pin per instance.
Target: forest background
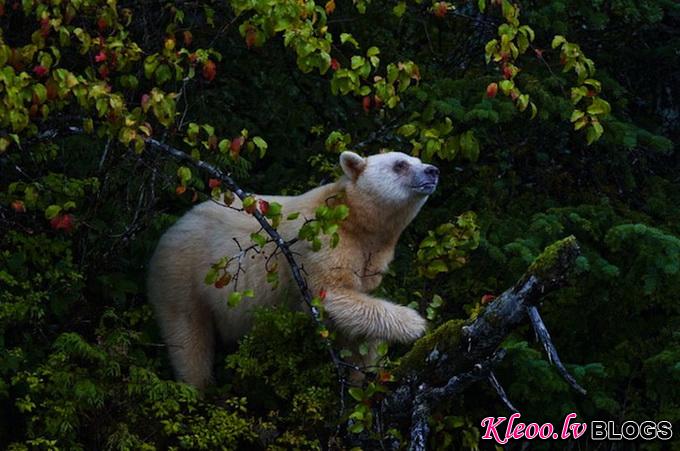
(547, 119)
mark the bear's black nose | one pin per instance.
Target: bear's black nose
(432, 171)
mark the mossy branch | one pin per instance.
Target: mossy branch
(459, 353)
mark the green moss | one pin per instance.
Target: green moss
(444, 338)
(549, 259)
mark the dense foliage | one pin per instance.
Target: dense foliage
(546, 119)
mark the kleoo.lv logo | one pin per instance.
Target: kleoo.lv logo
(504, 429)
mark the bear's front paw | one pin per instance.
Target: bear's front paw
(411, 325)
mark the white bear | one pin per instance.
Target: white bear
(384, 193)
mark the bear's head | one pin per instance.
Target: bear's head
(392, 178)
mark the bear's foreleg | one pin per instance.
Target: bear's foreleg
(358, 315)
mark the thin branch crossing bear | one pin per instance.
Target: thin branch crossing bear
(384, 193)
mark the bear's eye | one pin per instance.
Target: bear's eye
(400, 166)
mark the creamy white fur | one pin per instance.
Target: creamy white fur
(382, 203)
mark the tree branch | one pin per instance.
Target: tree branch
(443, 363)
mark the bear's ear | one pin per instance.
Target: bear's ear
(352, 164)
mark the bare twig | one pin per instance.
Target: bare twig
(544, 337)
(501, 392)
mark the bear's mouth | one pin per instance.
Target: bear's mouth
(425, 188)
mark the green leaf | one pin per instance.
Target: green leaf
(363, 349)
(527, 30)
(224, 145)
(274, 209)
(557, 41)
(211, 276)
(346, 37)
(437, 266)
(469, 146)
(248, 202)
(436, 301)
(357, 62)
(599, 107)
(356, 428)
(356, 393)
(258, 239)
(576, 115)
(399, 9)
(234, 299)
(52, 211)
(261, 145)
(595, 84)
(163, 74)
(407, 130)
(506, 86)
(184, 174)
(594, 132)
(357, 415)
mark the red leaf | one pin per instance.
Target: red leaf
(223, 281)
(18, 206)
(101, 24)
(45, 27)
(101, 56)
(322, 294)
(251, 37)
(145, 102)
(52, 91)
(188, 38)
(214, 183)
(212, 141)
(441, 9)
(263, 206)
(384, 376)
(209, 70)
(40, 71)
(250, 209)
(488, 298)
(63, 222)
(335, 64)
(235, 146)
(492, 90)
(366, 103)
